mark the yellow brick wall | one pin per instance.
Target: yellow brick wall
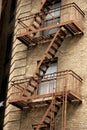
(72, 55)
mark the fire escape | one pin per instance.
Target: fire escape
(69, 83)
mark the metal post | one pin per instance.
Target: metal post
(64, 109)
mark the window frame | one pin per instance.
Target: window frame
(54, 61)
(52, 20)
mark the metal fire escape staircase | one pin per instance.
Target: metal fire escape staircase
(37, 21)
(47, 120)
(45, 62)
(55, 42)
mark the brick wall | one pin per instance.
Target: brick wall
(72, 55)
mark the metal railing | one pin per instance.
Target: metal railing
(53, 83)
(25, 22)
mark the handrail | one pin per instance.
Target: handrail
(76, 6)
(73, 83)
(56, 74)
(57, 8)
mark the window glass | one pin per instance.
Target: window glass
(52, 18)
(48, 84)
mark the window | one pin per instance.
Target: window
(48, 84)
(52, 18)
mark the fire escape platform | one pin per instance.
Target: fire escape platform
(45, 99)
(71, 26)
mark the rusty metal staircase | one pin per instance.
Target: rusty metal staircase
(45, 62)
(56, 40)
(39, 18)
(48, 118)
(41, 15)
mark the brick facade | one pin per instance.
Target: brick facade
(72, 55)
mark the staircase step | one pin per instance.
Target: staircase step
(24, 95)
(48, 102)
(48, 8)
(43, 127)
(44, 71)
(32, 85)
(59, 99)
(46, 59)
(31, 28)
(51, 54)
(49, 116)
(36, 27)
(38, 20)
(54, 110)
(57, 106)
(44, 11)
(49, 2)
(53, 48)
(29, 91)
(39, 76)
(57, 43)
(36, 80)
(41, 16)
(60, 38)
(64, 32)
(46, 123)
(46, 65)
(69, 30)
